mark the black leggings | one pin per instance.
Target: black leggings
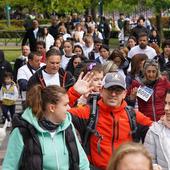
(5, 110)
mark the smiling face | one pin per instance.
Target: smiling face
(97, 81)
(167, 107)
(131, 43)
(113, 96)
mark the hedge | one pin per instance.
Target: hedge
(19, 23)
(165, 21)
(166, 32)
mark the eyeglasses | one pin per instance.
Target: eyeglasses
(116, 90)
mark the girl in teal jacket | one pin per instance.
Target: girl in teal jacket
(48, 121)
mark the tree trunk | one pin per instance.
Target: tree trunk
(159, 25)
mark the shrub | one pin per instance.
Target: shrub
(165, 21)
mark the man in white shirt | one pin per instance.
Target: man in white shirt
(21, 60)
(27, 70)
(142, 48)
(52, 73)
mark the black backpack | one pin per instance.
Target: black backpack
(138, 131)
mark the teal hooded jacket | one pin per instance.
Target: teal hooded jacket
(55, 153)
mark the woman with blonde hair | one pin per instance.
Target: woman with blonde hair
(44, 136)
(131, 156)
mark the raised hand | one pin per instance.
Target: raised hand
(82, 86)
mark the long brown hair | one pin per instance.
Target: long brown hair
(37, 98)
(136, 61)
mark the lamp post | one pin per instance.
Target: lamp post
(100, 3)
(7, 10)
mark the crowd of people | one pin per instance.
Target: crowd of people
(83, 101)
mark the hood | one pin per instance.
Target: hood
(29, 117)
(157, 127)
(2, 57)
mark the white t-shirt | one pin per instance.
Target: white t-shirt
(64, 61)
(35, 32)
(51, 79)
(49, 41)
(87, 50)
(102, 60)
(25, 73)
(149, 51)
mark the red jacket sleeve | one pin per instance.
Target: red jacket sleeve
(73, 96)
(142, 119)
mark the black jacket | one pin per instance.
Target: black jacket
(5, 66)
(29, 35)
(66, 79)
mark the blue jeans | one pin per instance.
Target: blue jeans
(5, 110)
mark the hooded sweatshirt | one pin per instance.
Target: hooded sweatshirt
(55, 153)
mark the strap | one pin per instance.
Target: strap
(132, 120)
(30, 68)
(72, 149)
(64, 79)
(41, 79)
(91, 126)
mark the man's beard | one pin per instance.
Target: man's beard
(142, 46)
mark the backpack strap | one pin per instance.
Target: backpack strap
(72, 149)
(133, 124)
(41, 79)
(91, 125)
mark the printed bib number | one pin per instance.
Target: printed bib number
(9, 96)
(144, 93)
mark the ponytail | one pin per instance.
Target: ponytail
(37, 98)
(34, 100)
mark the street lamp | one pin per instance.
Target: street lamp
(100, 3)
(7, 10)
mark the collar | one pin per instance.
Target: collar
(115, 110)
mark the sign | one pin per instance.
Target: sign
(144, 93)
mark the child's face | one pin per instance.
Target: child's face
(8, 80)
(97, 81)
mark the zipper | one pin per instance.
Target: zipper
(153, 107)
(117, 126)
(113, 131)
(53, 142)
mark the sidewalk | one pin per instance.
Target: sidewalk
(5, 142)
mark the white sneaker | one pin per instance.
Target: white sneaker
(9, 124)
